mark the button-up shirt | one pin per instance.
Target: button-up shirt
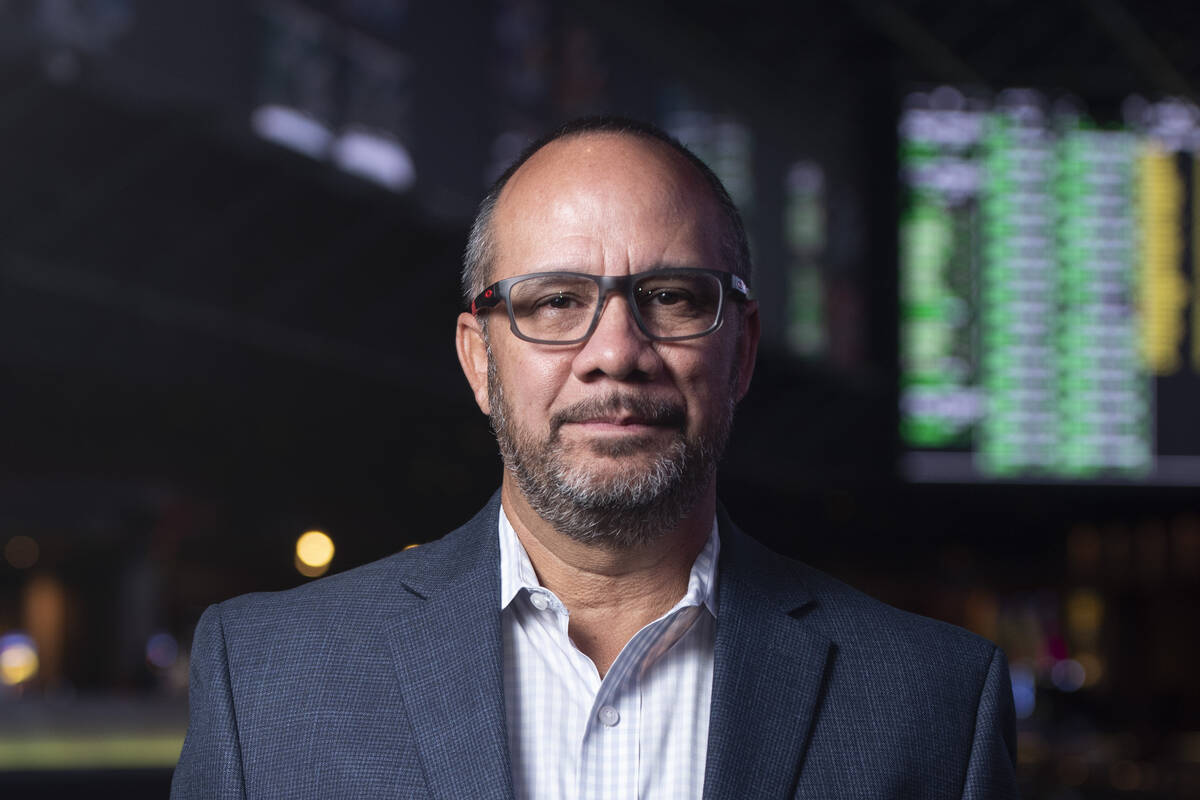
(642, 730)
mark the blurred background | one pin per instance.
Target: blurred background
(229, 241)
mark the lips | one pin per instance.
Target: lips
(619, 421)
(621, 411)
(604, 428)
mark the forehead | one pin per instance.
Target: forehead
(605, 201)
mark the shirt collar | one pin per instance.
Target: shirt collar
(516, 570)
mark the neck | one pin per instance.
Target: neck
(611, 593)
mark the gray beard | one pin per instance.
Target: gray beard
(628, 509)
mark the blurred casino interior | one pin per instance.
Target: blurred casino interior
(229, 242)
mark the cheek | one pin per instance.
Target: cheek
(712, 386)
(702, 379)
(532, 381)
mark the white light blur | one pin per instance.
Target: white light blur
(1175, 123)
(1068, 675)
(376, 157)
(292, 129)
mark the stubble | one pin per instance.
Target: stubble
(654, 487)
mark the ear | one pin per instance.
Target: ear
(747, 351)
(472, 357)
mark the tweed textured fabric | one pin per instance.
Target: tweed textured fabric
(386, 681)
(642, 731)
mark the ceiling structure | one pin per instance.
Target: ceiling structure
(155, 216)
(167, 286)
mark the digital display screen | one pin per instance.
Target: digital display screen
(1049, 289)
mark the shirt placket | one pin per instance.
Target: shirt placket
(609, 754)
(610, 757)
(570, 685)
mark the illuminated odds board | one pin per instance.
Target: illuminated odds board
(1049, 289)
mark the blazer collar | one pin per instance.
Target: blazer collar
(769, 670)
(448, 655)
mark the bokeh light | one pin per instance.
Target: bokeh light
(1085, 612)
(1024, 690)
(1093, 668)
(21, 552)
(18, 659)
(161, 650)
(314, 551)
(1073, 771)
(1068, 675)
(1125, 776)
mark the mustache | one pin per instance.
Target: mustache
(650, 410)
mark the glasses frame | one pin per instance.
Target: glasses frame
(731, 286)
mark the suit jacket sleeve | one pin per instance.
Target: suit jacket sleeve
(990, 768)
(211, 763)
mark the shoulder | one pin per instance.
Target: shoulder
(872, 630)
(860, 626)
(850, 612)
(363, 596)
(893, 680)
(910, 695)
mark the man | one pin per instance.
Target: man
(600, 629)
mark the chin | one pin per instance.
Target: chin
(627, 446)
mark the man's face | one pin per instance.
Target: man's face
(615, 439)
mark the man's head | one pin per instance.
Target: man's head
(613, 439)
(480, 253)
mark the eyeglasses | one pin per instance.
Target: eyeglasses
(669, 305)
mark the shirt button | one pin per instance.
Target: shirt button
(539, 601)
(609, 716)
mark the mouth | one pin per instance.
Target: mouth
(622, 416)
(619, 425)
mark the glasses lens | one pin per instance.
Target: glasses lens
(553, 308)
(678, 304)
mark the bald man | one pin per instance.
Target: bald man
(600, 629)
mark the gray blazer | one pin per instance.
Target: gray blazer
(385, 681)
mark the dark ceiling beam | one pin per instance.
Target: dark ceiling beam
(1015, 48)
(1139, 48)
(704, 57)
(921, 45)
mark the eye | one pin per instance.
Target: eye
(670, 296)
(559, 301)
(664, 296)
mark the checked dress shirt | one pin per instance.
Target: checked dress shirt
(642, 730)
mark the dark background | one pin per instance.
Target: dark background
(212, 343)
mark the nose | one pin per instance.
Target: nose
(617, 347)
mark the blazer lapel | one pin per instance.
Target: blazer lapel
(447, 649)
(768, 675)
